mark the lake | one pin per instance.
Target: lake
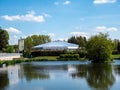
(60, 75)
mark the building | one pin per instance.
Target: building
(53, 48)
(56, 45)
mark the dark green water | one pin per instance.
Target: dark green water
(61, 75)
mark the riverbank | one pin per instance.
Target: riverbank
(41, 58)
(44, 58)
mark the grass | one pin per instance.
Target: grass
(116, 56)
(47, 57)
(40, 58)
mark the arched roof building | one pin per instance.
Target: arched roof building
(56, 45)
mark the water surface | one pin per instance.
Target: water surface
(60, 75)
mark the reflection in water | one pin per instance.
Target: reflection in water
(81, 71)
(31, 72)
(117, 69)
(4, 81)
(100, 76)
(58, 74)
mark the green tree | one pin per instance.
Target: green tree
(28, 45)
(99, 48)
(118, 47)
(4, 37)
(72, 40)
(81, 41)
(10, 49)
(34, 40)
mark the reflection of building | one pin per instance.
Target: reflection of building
(72, 69)
(21, 45)
(13, 74)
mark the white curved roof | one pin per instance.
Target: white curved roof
(59, 45)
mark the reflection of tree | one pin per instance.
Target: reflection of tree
(100, 76)
(117, 69)
(4, 81)
(31, 73)
(81, 71)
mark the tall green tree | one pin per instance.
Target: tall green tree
(28, 45)
(34, 40)
(81, 41)
(99, 48)
(72, 40)
(118, 47)
(4, 37)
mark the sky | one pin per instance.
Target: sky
(60, 19)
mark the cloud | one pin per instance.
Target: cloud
(104, 1)
(13, 30)
(51, 34)
(30, 16)
(105, 29)
(84, 34)
(63, 3)
(67, 2)
(47, 15)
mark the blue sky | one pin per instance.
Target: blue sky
(60, 19)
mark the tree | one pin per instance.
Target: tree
(81, 41)
(72, 40)
(118, 47)
(4, 37)
(99, 48)
(34, 40)
(28, 45)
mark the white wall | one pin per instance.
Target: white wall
(9, 56)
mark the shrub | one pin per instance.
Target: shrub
(69, 56)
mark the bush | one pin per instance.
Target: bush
(69, 56)
(82, 53)
(99, 48)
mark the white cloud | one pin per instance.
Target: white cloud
(13, 30)
(30, 16)
(51, 34)
(84, 34)
(104, 1)
(47, 15)
(67, 2)
(13, 39)
(105, 29)
(63, 39)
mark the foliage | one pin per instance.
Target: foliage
(72, 40)
(34, 40)
(4, 37)
(69, 56)
(82, 52)
(99, 48)
(118, 47)
(81, 41)
(10, 49)
(46, 53)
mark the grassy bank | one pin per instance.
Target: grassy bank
(41, 58)
(116, 56)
